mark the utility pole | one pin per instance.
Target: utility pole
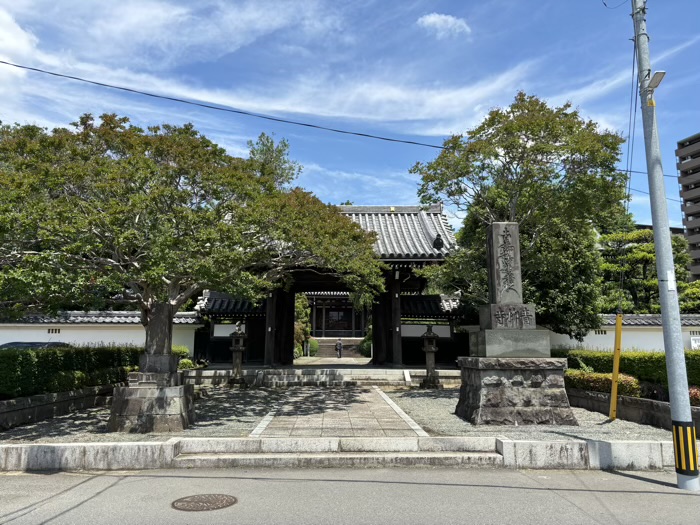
(684, 439)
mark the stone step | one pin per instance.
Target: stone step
(289, 445)
(341, 459)
(286, 384)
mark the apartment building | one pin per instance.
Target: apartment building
(688, 164)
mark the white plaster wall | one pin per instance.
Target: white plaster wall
(131, 334)
(225, 330)
(649, 338)
(416, 330)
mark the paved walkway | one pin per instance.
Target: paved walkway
(337, 412)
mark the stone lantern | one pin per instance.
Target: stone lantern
(238, 346)
(430, 348)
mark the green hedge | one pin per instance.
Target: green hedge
(626, 386)
(645, 366)
(40, 371)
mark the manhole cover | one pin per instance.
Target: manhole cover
(204, 502)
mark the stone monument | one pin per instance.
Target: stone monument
(510, 377)
(155, 399)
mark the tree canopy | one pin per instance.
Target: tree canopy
(553, 173)
(629, 270)
(107, 212)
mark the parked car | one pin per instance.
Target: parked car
(34, 345)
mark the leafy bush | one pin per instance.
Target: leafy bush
(181, 351)
(645, 366)
(25, 372)
(298, 351)
(365, 347)
(694, 393)
(627, 385)
(313, 347)
(186, 364)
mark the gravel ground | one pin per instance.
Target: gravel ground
(434, 411)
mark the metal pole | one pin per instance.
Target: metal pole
(616, 366)
(683, 429)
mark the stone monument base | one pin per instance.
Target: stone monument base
(514, 391)
(153, 402)
(509, 343)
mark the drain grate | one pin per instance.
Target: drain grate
(200, 502)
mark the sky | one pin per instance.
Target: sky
(413, 70)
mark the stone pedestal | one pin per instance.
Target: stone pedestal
(509, 343)
(155, 400)
(514, 391)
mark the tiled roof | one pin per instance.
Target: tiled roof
(221, 304)
(406, 232)
(133, 317)
(428, 306)
(648, 320)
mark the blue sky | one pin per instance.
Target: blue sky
(414, 70)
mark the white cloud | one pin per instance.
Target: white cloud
(336, 186)
(444, 26)
(159, 34)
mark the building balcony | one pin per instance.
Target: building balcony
(688, 165)
(688, 150)
(691, 195)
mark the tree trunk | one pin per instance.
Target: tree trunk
(159, 329)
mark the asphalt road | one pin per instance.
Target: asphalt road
(339, 497)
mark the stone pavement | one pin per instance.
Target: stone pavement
(348, 412)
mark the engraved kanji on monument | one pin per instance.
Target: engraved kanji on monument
(506, 309)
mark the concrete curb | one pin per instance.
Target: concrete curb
(464, 452)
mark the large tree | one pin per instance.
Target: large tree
(552, 172)
(107, 212)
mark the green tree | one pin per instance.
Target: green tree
(629, 268)
(107, 212)
(553, 173)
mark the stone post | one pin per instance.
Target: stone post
(507, 325)
(430, 348)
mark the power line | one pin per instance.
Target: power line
(647, 193)
(618, 5)
(221, 108)
(242, 112)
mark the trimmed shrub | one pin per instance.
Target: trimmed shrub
(645, 366)
(313, 347)
(25, 372)
(181, 351)
(560, 352)
(626, 386)
(186, 364)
